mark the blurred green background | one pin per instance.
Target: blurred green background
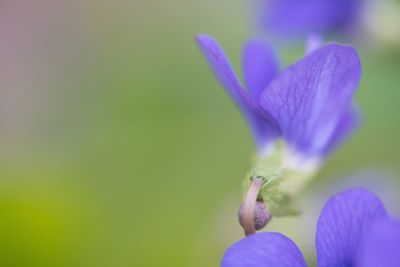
(118, 148)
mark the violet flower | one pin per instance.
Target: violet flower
(297, 116)
(301, 17)
(308, 104)
(353, 229)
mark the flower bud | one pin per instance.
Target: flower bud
(261, 215)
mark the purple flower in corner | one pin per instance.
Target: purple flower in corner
(353, 230)
(308, 104)
(301, 17)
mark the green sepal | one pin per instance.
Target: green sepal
(282, 182)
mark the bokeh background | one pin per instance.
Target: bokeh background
(118, 148)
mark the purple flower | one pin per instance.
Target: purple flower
(308, 104)
(353, 229)
(301, 17)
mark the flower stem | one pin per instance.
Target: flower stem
(249, 205)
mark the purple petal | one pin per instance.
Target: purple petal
(263, 250)
(299, 17)
(382, 244)
(342, 223)
(263, 127)
(309, 99)
(259, 67)
(347, 123)
(222, 69)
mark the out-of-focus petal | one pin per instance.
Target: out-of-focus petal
(263, 250)
(342, 223)
(259, 66)
(300, 17)
(313, 42)
(263, 127)
(309, 98)
(381, 246)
